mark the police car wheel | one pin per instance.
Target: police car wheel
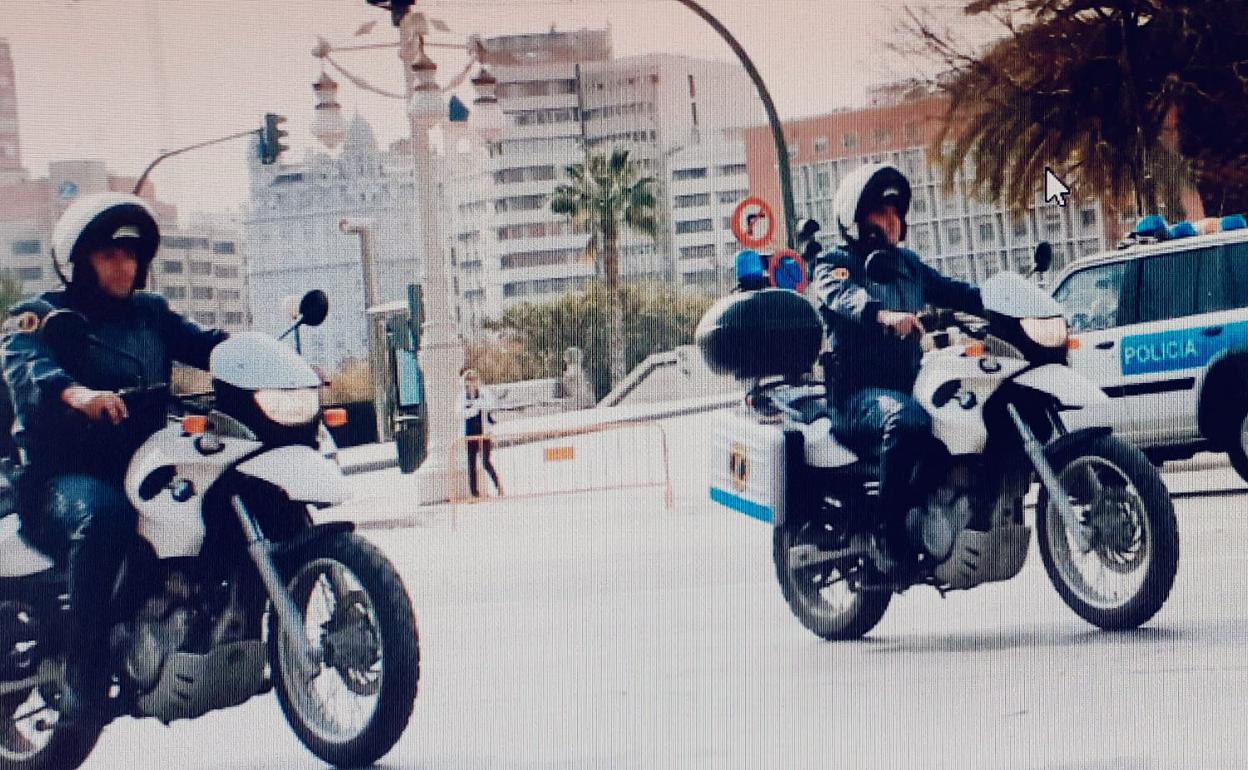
(1237, 446)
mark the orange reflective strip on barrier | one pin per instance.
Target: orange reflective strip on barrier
(559, 453)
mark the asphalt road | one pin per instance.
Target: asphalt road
(603, 632)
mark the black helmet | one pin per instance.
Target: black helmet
(98, 220)
(865, 189)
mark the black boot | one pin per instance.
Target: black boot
(85, 697)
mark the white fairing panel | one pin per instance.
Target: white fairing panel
(822, 450)
(1068, 386)
(959, 423)
(303, 473)
(18, 559)
(176, 528)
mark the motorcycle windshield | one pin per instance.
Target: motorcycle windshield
(255, 361)
(1014, 296)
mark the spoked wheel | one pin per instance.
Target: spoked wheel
(819, 595)
(353, 704)
(32, 737)
(1126, 574)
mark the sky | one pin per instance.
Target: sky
(121, 80)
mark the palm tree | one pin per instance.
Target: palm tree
(1115, 92)
(605, 195)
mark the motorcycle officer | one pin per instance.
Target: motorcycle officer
(870, 290)
(75, 431)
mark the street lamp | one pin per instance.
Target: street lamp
(441, 354)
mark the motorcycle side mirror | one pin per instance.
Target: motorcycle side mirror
(313, 308)
(1043, 258)
(65, 331)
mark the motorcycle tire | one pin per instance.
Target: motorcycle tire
(66, 748)
(1139, 545)
(380, 595)
(803, 591)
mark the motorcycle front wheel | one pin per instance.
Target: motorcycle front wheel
(353, 705)
(1124, 578)
(819, 595)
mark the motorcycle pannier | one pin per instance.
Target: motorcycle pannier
(760, 334)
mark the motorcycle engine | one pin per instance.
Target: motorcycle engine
(173, 620)
(948, 512)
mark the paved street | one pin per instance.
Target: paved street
(600, 631)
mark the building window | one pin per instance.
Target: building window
(694, 226)
(206, 318)
(1052, 222)
(224, 247)
(850, 140)
(201, 268)
(226, 271)
(697, 199)
(232, 318)
(183, 242)
(174, 292)
(682, 174)
(229, 295)
(30, 273)
(1087, 218)
(821, 144)
(732, 196)
(25, 248)
(697, 252)
(953, 233)
(171, 267)
(1020, 228)
(987, 233)
(201, 292)
(732, 169)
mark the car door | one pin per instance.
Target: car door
(1099, 300)
(1164, 354)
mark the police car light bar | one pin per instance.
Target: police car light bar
(1153, 229)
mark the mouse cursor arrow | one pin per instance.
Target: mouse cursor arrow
(1055, 190)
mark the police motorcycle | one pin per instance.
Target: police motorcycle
(231, 589)
(996, 389)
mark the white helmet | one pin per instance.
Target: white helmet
(96, 220)
(864, 189)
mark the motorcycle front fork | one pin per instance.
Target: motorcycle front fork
(1057, 493)
(288, 615)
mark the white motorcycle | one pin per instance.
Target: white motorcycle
(996, 392)
(231, 588)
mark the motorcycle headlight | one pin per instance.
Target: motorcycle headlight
(1046, 332)
(298, 406)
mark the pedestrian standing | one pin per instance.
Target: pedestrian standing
(475, 407)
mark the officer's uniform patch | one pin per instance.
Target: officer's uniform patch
(25, 322)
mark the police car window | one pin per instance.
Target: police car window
(1213, 290)
(1093, 297)
(1168, 286)
(1237, 274)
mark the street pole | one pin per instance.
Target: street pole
(378, 358)
(777, 131)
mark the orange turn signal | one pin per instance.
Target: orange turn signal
(194, 424)
(974, 350)
(335, 418)
(1073, 343)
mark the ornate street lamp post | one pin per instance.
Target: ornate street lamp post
(441, 353)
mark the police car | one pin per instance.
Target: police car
(1162, 327)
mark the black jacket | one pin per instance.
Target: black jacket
(862, 353)
(55, 441)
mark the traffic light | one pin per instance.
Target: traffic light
(271, 138)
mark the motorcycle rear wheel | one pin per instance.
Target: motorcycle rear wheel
(58, 746)
(356, 610)
(820, 596)
(1127, 575)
